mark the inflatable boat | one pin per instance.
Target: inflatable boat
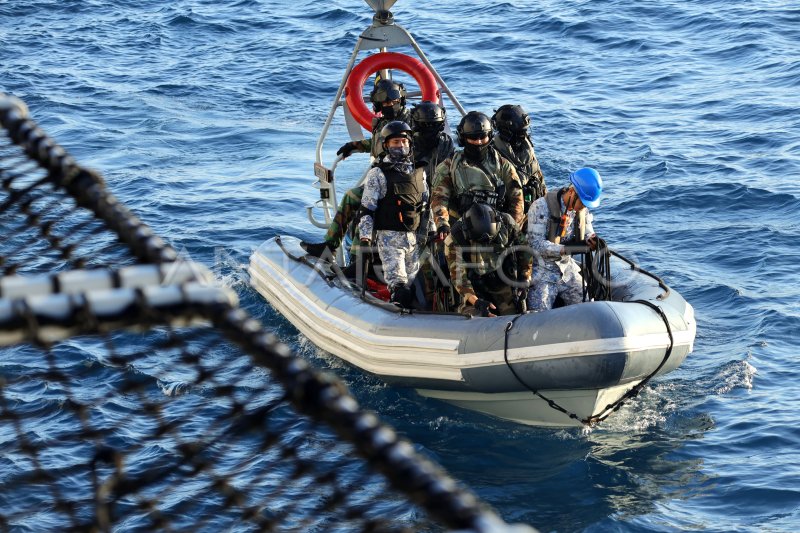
(568, 366)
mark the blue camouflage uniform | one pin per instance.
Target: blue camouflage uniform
(553, 274)
(398, 250)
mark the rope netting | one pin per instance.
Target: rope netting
(136, 395)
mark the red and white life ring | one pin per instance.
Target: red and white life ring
(385, 60)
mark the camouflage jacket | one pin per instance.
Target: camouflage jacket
(467, 260)
(449, 183)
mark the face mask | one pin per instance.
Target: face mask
(476, 153)
(426, 139)
(391, 112)
(519, 138)
(396, 153)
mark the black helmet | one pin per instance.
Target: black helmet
(480, 223)
(427, 115)
(396, 128)
(474, 125)
(385, 91)
(511, 121)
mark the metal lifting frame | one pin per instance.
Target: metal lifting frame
(382, 34)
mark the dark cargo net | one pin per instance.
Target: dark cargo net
(136, 395)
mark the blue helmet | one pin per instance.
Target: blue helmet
(589, 185)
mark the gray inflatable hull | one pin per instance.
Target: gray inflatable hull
(581, 357)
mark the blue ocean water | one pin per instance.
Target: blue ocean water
(203, 117)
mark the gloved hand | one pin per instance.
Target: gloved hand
(521, 300)
(442, 231)
(348, 148)
(484, 307)
(591, 241)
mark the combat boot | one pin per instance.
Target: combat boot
(402, 296)
(317, 249)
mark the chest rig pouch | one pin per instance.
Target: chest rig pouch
(475, 182)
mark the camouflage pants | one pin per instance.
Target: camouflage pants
(348, 208)
(400, 256)
(550, 285)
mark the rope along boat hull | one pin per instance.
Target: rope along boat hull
(574, 360)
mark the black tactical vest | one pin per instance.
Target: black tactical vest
(400, 209)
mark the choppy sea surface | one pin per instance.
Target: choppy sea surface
(203, 118)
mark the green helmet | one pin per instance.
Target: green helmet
(386, 91)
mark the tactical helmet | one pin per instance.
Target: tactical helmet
(473, 125)
(511, 121)
(588, 185)
(480, 223)
(396, 128)
(427, 115)
(385, 91)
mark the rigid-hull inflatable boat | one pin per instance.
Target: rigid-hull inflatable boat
(562, 367)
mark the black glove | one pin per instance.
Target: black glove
(521, 300)
(484, 307)
(442, 231)
(348, 148)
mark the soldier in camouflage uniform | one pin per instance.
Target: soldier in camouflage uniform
(431, 145)
(489, 263)
(389, 99)
(514, 143)
(395, 197)
(559, 224)
(478, 172)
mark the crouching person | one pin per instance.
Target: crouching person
(559, 224)
(488, 261)
(395, 194)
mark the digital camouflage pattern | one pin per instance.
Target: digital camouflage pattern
(399, 255)
(553, 274)
(397, 249)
